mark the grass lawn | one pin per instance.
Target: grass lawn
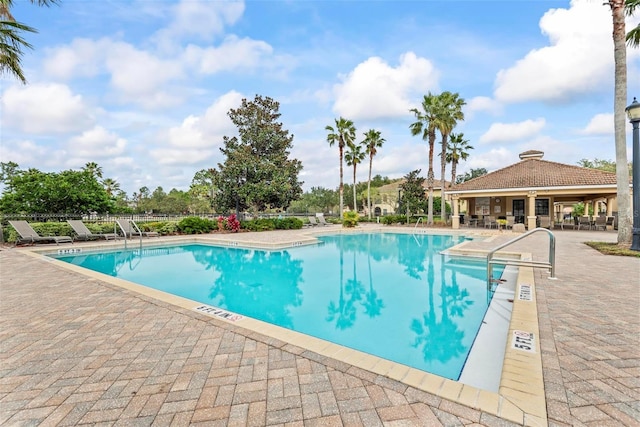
(613, 249)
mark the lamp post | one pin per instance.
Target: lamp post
(633, 112)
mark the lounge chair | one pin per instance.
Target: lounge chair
(83, 233)
(130, 229)
(29, 235)
(312, 221)
(322, 220)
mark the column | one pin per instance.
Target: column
(531, 218)
(455, 220)
(610, 206)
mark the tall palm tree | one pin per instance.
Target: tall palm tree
(457, 150)
(426, 124)
(344, 133)
(451, 112)
(372, 141)
(11, 42)
(619, 119)
(94, 169)
(111, 186)
(633, 36)
(354, 157)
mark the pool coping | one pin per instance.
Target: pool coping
(520, 399)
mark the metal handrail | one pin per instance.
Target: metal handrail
(124, 233)
(419, 219)
(551, 264)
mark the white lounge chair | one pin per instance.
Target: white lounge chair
(312, 221)
(29, 235)
(83, 233)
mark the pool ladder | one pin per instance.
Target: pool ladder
(550, 264)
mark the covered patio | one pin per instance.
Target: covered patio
(534, 192)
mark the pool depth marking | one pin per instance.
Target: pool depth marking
(524, 293)
(218, 312)
(524, 341)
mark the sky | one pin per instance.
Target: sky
(143, 88)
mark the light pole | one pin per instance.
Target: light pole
(633, 111)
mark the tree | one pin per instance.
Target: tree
(457, 150)
(93, 169)
(426, 124)
(344, 133)
(33, 191)
(473, 173)
(111, 186)
(450, 112)
(633, 36)
(12, 43)
(372, 141)
(257, 172)
(8, 170)
(413, 192)
(354, 157)
(619, 118)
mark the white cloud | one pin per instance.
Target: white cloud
(81, 58)
(511, 132)
(202, 19)
(44, 109)
(139, 75)
(182, 156)
(96, 143)
(233, 54)
(578, 60)
(206, 131)
(376, 90)
(494, 159)
(482, 104)
(600, 124)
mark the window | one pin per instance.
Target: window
(542, 207)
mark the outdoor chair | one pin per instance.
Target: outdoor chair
(83, 233)
(321, 220)
(600, 222)
(545, 221)
(490, 222)
(312, 221)
(130, 228)
(29, 235)
(584, 222)
(511, 219)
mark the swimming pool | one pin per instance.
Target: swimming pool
(390, 295)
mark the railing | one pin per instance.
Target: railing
(117, 225)
(551, 264)
(417, 222)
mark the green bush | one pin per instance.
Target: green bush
(394, 219)
(350, 219)
(196, 225)
(288, 223)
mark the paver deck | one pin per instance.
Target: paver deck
(76, 350)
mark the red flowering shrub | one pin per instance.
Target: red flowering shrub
(232, 223)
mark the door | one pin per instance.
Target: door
(518, 211)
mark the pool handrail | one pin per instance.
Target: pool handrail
(551, 264)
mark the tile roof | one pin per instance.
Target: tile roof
(536, 173)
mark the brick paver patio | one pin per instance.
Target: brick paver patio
(80, 351)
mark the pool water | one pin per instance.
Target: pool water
(391, 295)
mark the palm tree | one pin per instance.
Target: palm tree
(11, 42)
(457, 150)
(110, 186)
(344, 133)
(426, 125)
(633, 36)
(619, 119)
(354, 157)
(451, 111)
(94, 169)
(372, 141)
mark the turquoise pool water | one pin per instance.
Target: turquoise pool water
(390, 295)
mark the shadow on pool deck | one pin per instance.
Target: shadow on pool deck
(77, 350)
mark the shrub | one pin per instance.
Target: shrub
(232, 223)
(288, 223)
(262, 224)
(394, 219)
(350, 219)
(195, 225)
